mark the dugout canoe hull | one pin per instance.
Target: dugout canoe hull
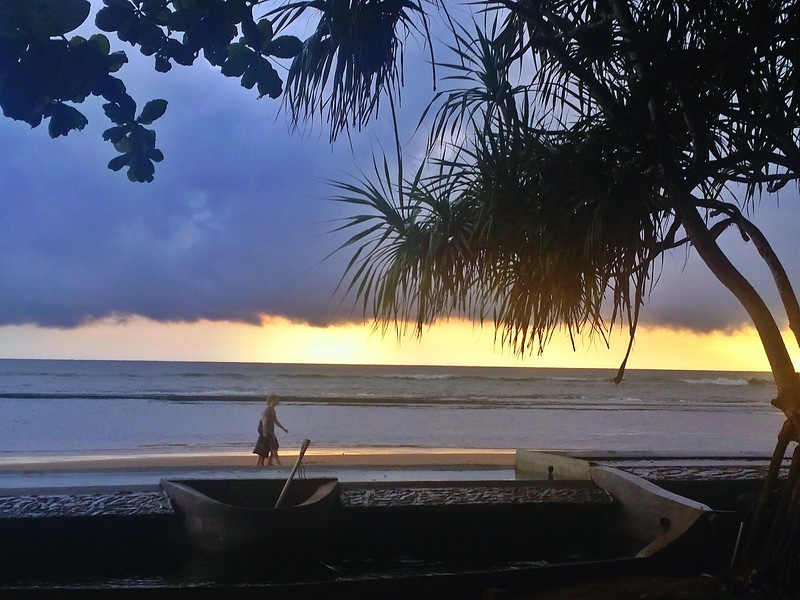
(612, 515)
(239, 515)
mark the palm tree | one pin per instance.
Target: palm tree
(547, 199)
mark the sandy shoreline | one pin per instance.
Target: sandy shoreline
(367, 464)
(372, 457)
(358, 457)
(351, 457)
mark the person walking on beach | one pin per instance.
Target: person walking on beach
(267, 444)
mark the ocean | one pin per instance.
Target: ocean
(82, 407)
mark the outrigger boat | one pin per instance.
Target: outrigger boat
(603, 515)
(368, 539)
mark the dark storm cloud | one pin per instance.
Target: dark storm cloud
(234, 225)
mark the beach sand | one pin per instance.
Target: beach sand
(350, 457)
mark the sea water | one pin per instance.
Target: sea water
(68, 407)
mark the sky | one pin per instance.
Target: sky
(227, 254)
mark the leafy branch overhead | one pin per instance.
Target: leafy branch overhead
(136, 143)
(44, 74)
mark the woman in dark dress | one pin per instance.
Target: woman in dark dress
(267, 444)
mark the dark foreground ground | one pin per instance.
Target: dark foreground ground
(633, 587)
(706, 586)
(700, 586)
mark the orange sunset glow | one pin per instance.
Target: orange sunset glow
(448, 343)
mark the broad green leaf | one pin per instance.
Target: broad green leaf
(115, 134)
(110, 88)
(230, 12)
(285, 46)
(216, 54)
(116, 163)
(150, 37)
(141, 169)
(65, 118)
(182, 19)
(114, 18)
(239, 58)
(151, 7)
(250, 76)
(180, 53)
(116, 60)
(44, 18)
(162, 64)
(253, 35)
(269, 82)
(149, 137)
(152, 110)
(266, 30)
(115, 113)
(124, 146)
(103, 43)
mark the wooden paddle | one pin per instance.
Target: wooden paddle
(303, 449)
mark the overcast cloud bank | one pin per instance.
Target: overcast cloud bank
(234, 225)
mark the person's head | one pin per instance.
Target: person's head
(272, 400)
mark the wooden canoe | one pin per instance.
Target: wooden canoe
(238, 515)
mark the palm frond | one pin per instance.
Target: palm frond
(547, 198)
(352, 58)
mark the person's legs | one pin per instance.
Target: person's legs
(275, 456)
(260, 461)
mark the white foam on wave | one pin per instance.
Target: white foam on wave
(421, 377)
(717, 381)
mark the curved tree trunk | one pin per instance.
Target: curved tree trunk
(786, 380)
(784, 285)
(788, 399)
(755, 532)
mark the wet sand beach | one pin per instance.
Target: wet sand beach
(315, 456)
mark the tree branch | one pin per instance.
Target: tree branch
(779, 275)
(786, 378)
(601, 95)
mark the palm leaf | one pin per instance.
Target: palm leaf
(352, 58)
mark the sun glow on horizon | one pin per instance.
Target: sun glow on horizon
(455, 342)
